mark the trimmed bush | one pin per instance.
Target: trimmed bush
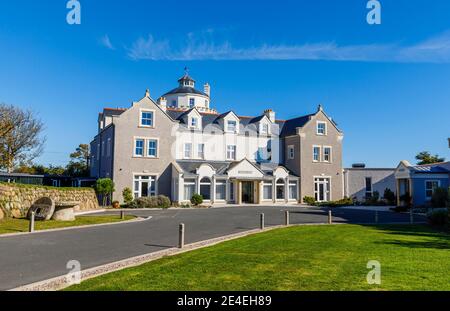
(438, 217)
(339, 203)
(197, 199)
(127, 196)
(309, 200)
(439, 198)
(159, 201)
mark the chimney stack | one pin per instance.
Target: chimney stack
(270, 114)
(207, 89)
(147, 93)
(163, 103)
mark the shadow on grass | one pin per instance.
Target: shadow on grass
(422, 236)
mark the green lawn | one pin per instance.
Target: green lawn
(14, 225)
(299, 258)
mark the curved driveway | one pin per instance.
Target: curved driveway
(35, 257)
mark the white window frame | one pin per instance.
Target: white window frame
(191, 102)
(265, 129)
(135, 147)
(193, 124)
(432, 189)
(319, 155)
(291, 152)
(141, 112)
(190, 183)
(327, 181)
(201, 154)
(148, 147)
(235, 126)
(222, 183)
(293, 183)
(268, 184)
(185, 149)
(231, 152)
(137, 177)
(280, 182)
(329, 156)
(325, 128)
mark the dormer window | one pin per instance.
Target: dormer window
(265, 129)
(194, 122)
(231, 126)
(321, 128)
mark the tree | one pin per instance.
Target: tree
(21, 137)
(104, 187)
(127, 196)
(425, 157)
(79, 163)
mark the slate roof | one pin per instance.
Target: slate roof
(222, 167)
(287, 127)
(436, 168)
(184, 90)
(191, 166)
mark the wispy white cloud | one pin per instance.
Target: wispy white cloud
(435, 50)
(106, 42)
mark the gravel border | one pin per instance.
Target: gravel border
(137, 219)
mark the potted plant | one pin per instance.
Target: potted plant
(115, 204)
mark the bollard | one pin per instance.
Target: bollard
(262, 221)
(181, 236)
(286, 218)
(376, 217)
(330, 219)
(122, 215)
(31, 226)
(411, 216)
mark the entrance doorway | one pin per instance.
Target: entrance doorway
(248, 188)
(322, 189)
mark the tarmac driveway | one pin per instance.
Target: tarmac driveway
(35, 257)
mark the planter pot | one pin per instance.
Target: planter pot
(116, 205)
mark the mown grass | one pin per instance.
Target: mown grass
(15, 225)
(299, 258)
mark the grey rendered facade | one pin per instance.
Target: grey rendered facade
(164, 147)
(361, 183)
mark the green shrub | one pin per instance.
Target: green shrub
(339, 203)
(159, 201)
(389, 196)
(309, 200)
(163, 201)
(127, 196)
(438, 217)
(197, 199)
(439, 198)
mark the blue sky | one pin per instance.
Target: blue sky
(386, 85)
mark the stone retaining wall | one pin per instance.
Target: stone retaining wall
(16, 199)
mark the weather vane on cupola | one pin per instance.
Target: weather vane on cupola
(186, 70)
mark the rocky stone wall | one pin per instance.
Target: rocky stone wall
(16, 199)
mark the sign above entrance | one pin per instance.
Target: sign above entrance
(245, 169)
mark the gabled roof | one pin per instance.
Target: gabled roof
(290, 126)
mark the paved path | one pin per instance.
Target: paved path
(30, 258)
